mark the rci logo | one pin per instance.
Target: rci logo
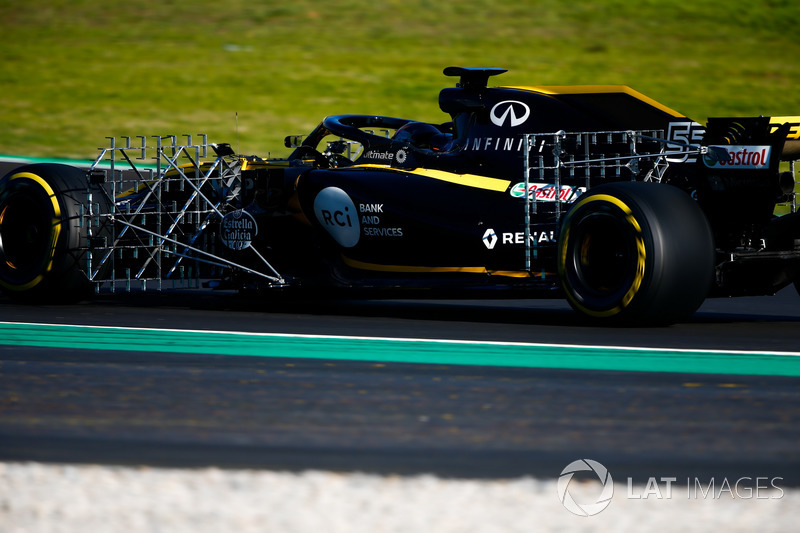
(588, 509)
(511, 111)
(337, 214)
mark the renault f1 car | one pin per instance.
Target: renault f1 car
(597, 194)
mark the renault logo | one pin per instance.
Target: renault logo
(511, 111)
(490, 238)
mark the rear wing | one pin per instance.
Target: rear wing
(791, 147)
(739, 191)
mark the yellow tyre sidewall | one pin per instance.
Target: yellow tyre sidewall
(34, 180)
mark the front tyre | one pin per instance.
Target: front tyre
(636, 253)
(43, 235)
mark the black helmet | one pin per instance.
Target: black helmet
(418, 134)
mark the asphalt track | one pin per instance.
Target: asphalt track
(723, 401)
(172, 403)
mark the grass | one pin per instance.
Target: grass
(75, 72)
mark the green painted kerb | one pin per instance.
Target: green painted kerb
(399, 350)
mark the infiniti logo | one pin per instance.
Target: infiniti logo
(514, 112)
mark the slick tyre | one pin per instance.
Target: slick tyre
(635, 252)
(43, 235)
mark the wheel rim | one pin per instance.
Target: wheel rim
(25, 232)
(603, 256)
(604, 260)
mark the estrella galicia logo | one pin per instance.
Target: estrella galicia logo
(513, 112)
(587, 509)
(238, 229)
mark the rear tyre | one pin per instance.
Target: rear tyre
(43, 235)
(636, 253)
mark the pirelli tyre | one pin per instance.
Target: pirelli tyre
(44, 234)
(637, 253)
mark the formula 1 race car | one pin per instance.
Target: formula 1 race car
(599, 194)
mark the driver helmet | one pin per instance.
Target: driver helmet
(418, 134)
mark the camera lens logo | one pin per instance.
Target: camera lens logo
(587, 509)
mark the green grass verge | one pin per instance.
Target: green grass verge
(76, 72)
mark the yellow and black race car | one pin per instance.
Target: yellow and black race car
(599, 194)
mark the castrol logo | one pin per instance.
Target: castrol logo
(741, 157)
